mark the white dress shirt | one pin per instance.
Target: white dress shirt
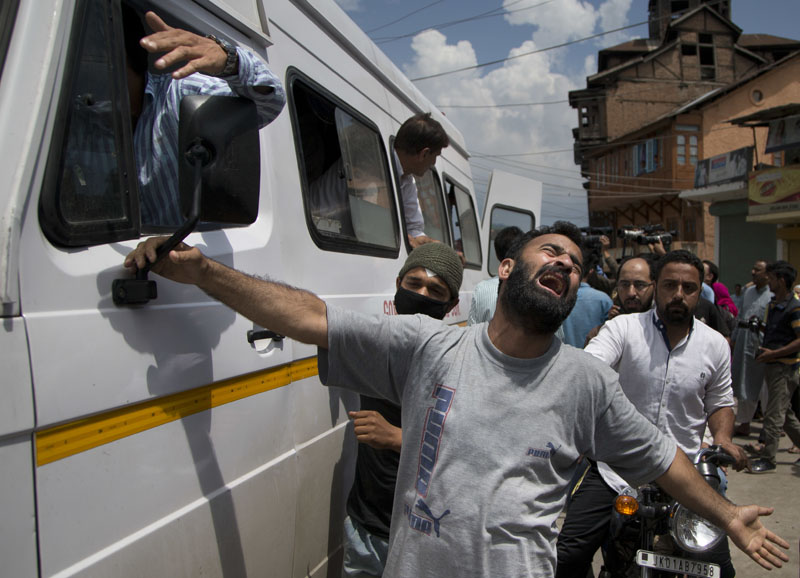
(415, 224)
(676, 390)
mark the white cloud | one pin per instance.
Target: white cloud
(590, 65)
(555, 22)
(613, 15)
(568, 20)
(510, 130)
(350, 5)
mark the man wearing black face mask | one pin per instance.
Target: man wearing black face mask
(427, 284)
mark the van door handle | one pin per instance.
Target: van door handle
(257, 334)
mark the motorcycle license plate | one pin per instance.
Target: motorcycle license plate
(678, 565)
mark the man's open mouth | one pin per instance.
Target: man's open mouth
(554, 282)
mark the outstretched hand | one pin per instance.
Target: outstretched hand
(752, 538)
(200, 54)
(184, 264)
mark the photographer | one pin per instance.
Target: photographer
(603, 280)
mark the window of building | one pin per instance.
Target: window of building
(689, 49)
(777, 158)
(347, 190)
(707, 60)
(646, 158)
(678, 6)
(431, 201)
(681, 152)
(756, 97)
(464, 224)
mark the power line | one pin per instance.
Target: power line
(418, 10)
(595, 174)
(636, 185)
(500, 105)
(493, 12)
(501, 60)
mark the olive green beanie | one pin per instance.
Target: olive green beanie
(440, 259)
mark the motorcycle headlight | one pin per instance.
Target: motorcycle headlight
(691, 532)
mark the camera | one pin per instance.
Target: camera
(753, 324)
(665, 238)
(591, 239)
(591, 235)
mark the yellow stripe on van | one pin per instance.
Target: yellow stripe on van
(72, 438)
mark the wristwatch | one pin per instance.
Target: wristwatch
(232, 61)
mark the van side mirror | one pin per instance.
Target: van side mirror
(219, 173)
(228, 127)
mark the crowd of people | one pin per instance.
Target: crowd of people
(502, 415)
(572, 367)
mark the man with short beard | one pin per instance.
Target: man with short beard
(634, 286)
(676, 371)
(495, 416)
(634, 289)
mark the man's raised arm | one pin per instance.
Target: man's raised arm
(741, 523)
(293, 312)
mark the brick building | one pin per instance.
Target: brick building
(640, 134)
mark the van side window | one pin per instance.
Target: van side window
(113, 167)
(466, 237)
(502, 217)
(89, 178)
(431, 200)
(8, 14)
(347, 192)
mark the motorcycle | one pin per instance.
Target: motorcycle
(652, 535)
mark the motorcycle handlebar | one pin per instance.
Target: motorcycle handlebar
(715, 455)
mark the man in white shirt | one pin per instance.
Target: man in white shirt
(676, 371)
(418, 142)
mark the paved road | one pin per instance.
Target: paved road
(779, 490)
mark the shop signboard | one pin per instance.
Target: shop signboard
(774, 191)
(784, 133)
(725, 168)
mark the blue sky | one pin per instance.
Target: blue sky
(427, 41)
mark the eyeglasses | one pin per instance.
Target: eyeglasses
(638, 285)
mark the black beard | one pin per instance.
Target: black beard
(672, 316)
(637, 308)
(536, 309)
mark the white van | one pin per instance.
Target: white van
(157, 439)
